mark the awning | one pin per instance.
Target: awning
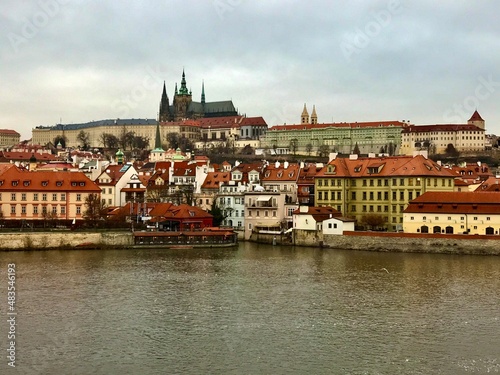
(288, 230)
(263, 198)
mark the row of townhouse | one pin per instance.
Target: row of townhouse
(265, 197)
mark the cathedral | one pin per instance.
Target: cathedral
(183, 106)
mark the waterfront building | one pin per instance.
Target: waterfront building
(47, 195)
(305, 183)
(454, 213)
(380, 186)
(311, 218)
(209, 190)
(270, 206)
(438, 138)
(9, 138)
(312, 137)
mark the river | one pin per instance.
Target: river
(257, 309)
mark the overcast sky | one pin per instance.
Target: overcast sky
(357, 60)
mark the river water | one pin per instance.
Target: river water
(258, 309)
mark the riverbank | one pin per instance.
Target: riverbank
(390, 242)
(366, 241)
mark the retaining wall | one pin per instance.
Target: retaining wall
(63, 240)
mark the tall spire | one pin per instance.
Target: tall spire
(314, 116)
(305, 116)
(164, 105)
(158, 137)
(183, 90)
(175, 88)
(202, 92)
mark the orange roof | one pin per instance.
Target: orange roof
(352, 125)
(9, 131)
(490, 185)
(182, 211)
(21, 180)
(25, 156)
(273, 173)
(456, 202)
(390, 166)
(214, 179)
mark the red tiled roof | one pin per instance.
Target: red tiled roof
(373, 124)
(9, 131)
(456, 202)
(384, 167)
(440, 128)
(214, 179)
(492, 184)
(476, 117)
(21, 180)
(273, 173)
(319, 213)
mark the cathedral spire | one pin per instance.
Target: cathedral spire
(183, 90)
(164, 105)
(202, 92)
(175, 88)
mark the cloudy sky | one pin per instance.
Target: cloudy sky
(357, 60)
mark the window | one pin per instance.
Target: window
(63, 197)
(332, 195)
(13, 209)
(364, 182)
(394, 182)
(379, 182)
(475, 217)
(54, 209)
(379, 208)
(54, 197)
(410, 195)
(364, 208)
(250, 226)
(394, 197)
(23, 196)
(320, 195)
(379, 195)
(78, 210)
(13, 196)
(23, 209)
(257, 213)
(353, 195)
(364, 195)
(266, 213)
(44, 197)
(371, 195)
(35, 210)
(78, 197)
(339, 195)
(402, 182)
(371, 208)
(63, 210)
(353, 208)
(386, 195)
(401, 195)
(44, 209)
(371, 183)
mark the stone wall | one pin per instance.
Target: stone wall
(63, 240)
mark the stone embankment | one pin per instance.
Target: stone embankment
(402, 242)
(64, 240)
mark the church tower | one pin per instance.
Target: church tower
(304, 118)
(164, 106)
(314, 116)
(202, 92)
(182, 100)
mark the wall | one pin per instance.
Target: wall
(63, 240)
(415, 243)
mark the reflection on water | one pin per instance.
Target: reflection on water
(258, 309)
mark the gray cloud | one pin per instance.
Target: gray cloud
(355, 60)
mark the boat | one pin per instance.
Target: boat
(207, 237)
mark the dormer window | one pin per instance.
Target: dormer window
(45, 183)
(59, 183)
(14, 183)
(82, 183)
(26, 183)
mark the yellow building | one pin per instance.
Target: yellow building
(381, 186)
(454, 213)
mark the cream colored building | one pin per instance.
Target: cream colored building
(454, 213)
(41, 135)
(436, 138)
(9, 138)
